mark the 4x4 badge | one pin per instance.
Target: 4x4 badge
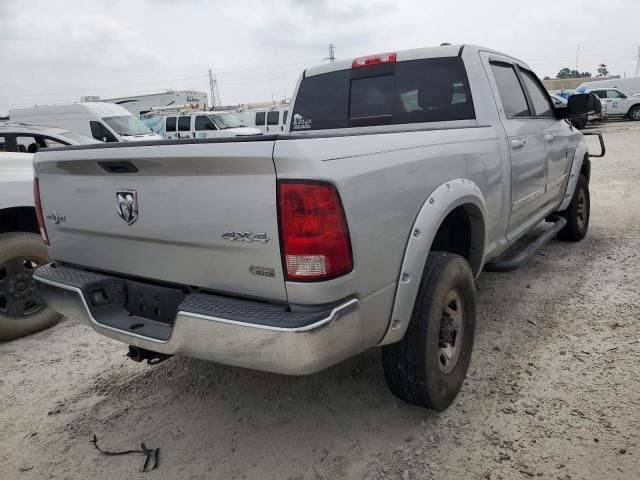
(245, 237)
(127, 205)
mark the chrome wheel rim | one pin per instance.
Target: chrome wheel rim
(451, 332)
(581, 209)
(636, 114)
(18, 296)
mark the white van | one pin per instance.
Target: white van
(196, 124)
(630, 86)
(103, 121)
(270, 121)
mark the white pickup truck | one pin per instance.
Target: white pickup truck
(398, 178)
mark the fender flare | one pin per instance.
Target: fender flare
(579, 157)
(434, 210)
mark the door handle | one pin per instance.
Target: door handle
(518, 143)
(549, 137)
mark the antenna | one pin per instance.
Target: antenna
(331, 57)
(213, 87)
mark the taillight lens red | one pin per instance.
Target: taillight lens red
(39, 216)
(314, 235)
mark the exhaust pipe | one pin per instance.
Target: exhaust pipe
(139, 354)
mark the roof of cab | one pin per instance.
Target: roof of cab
(100, 109)
(412, 54)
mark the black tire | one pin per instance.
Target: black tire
(414, 368)
(20, 253)
(577, 213)
(580, 124)
(634, 113)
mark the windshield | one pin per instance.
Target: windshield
(226, 120)
(127, 126)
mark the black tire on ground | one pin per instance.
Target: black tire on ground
(634, 113)
(580, 124)
(21, 310)
(577, 213)
(428, 366)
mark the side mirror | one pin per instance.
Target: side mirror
(582, 104)
(622, 95)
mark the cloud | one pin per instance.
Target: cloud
(54, 52)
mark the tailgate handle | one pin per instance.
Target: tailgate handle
(118, 167)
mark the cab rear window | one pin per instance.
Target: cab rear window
(416, 91)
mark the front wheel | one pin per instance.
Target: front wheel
(428, 366)
(634, 113)
(577, 213)
(22, 311)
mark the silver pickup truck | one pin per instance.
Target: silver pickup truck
(397, 180)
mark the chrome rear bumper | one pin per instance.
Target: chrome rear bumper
(289, 343)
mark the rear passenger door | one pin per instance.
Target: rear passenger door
(261, 118)
(184, 127)
(525, 144)
(556, 134)
(273, 122)
(171, 127)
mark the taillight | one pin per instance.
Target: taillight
(314, 235)
(39, 216)
(374, 60)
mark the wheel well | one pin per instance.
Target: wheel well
(462, 233)
(18, 219)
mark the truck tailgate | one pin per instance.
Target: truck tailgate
(206, 213)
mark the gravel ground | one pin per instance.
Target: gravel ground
(553, 389)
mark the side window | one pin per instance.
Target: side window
(27, 144)
(50, 142)
(184, 124)
(510, 90)
(273, 117)
(171, 124)
(539, 96)
(3, 144)
(613, 94)
(204, 123)
(260, 118)
(284, 117)
(601, 93)
(99, 132)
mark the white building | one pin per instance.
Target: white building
(138, 104)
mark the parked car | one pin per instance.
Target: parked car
(197, 124)
(22, 310)
(618, 104)
(398, 178)
(629, 85)
(268, 120)
(19, 137)
(103, 121)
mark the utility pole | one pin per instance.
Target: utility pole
(577, 53)
(637, 63)
(213, 88)
(331, 57)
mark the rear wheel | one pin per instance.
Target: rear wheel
(428, 366)
(634, 113)
(22, 311)
(577, 213)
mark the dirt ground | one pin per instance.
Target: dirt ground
(553, 389)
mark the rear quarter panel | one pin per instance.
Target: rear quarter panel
(383, 181)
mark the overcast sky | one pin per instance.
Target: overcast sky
(54, 52)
